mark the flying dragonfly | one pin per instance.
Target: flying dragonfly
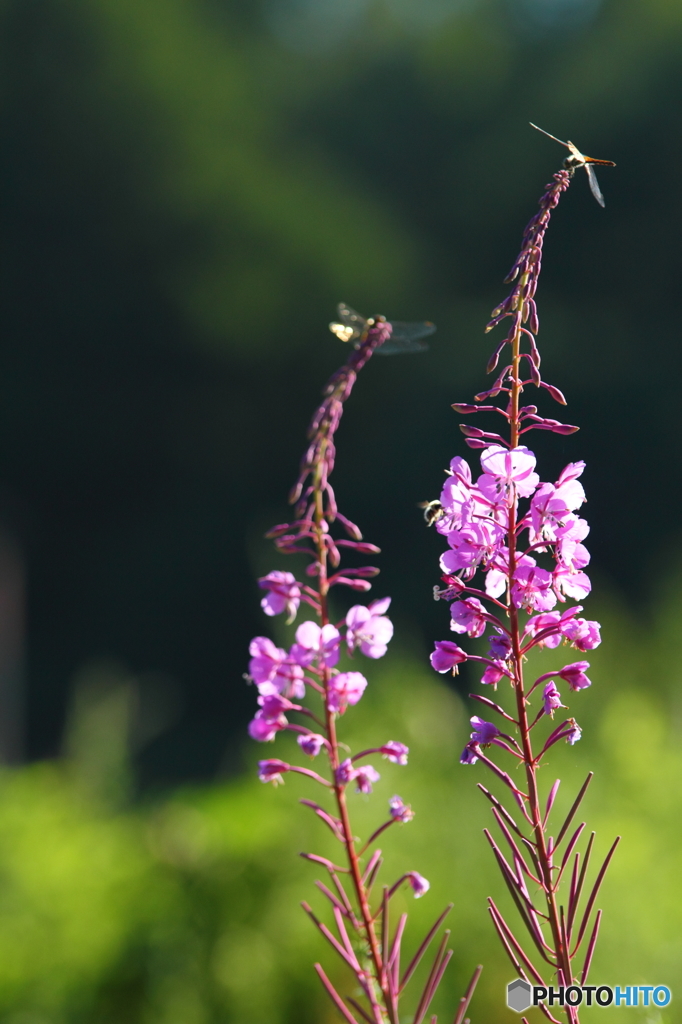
(351, 326)
(578, 159)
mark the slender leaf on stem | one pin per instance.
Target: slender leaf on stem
(466, 998)
(440, 962)
(335, 902)
(491, 704)
(519, 898)
(548, 1015)
(504, 929)
(323, 860)
(333, 823)
(569, 850)
(350, 958)
(335, 997)
(590, 949)
(384, 931)
(574, 808)
(593, 895)
(577, 888)
(550, 801)
(342, 893)
(356, 1006)
(343, 933)
(394, 956)
(502, 809)
(371, 866)
(414, 962)
(514, 848)
(510, 953)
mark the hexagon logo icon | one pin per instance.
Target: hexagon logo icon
(518, 995)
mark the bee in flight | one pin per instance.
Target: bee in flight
(433, 511)
(578, 159)
(350, 326)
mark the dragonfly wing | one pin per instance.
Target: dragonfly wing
(351, 325)
(396, 346)
(560, 141)
(411, 332)
(594, 184)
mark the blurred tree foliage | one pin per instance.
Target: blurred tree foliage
(186, 908)
(188, 188)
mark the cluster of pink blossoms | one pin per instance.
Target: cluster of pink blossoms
(280, 676)
(476, 519)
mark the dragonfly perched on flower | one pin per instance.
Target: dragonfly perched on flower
(351, 326)
(578, 159)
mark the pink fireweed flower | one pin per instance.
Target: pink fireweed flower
(569, 583)
(369, 629)
(494, 673)
(574, 733)
(311, 743)
(271, 770)
(503, 469)
(574, 675)
(447, 656)
(263, 728)
(400, 811)
(345, 772)
(364, 777)
(475, 542)
(314, 642)
(344, 689)
(500, 646)
(395, 752)
(551, 699)
(552, 505)
(284, 593)
(532, 589)
(419, 884)
(582, 633)
(272, 669)
(470, 754)
(468, 616)
(569, 549)
(484, 732)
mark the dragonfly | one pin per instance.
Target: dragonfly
(578, 159)
(351, 326)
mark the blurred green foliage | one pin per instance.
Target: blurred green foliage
(186, 909)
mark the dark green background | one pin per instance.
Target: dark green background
(189, 187)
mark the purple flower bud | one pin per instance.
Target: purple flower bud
(447, 656)
(551, 698)
(311, 743)
(271, 770)
(264, 729)
(419, 884)
(395, 752)
(284, 593)
(344, 689)
(400, 811)
(574, 675)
